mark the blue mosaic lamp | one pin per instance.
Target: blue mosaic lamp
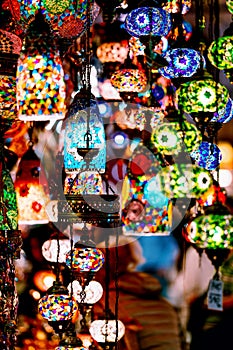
(225, 115)
(148, 20)
(207, 156)
(84, 131)
(182, 62)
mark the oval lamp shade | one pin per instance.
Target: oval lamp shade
(40, 84)
(31, 190)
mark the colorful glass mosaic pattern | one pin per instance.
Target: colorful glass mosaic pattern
(225, 115)
(75, 138)
(85, 259)
(8, 106)
(71, 22)
(220, 52)
(129, 80)
(182, 62)
(9, 207)
(9, 42)
(40, 84)
(183, 181)
(202, 96)
(56, 6)
(207, 156)
(57, 307)
(86, 182)
(174, 137)
(148, 20)
(229, 4)
(176, 6)
(210, 231)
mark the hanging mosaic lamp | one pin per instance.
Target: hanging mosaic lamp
(220, 52)
(148, 20)
(57, 305)
(182, 62)
(183, 181)
(145, 209)
(84, 261)
(83, 112)
(176, 6)
(40, 84)
(174, 137)
(107, 332)
(68, 19)
(229, 4)
(112, 52)
(129, 80)
(202, 95)
(211, 230)
(207, 156)
(55, 249)
(91, 294)
(225, 115)
(31, 188)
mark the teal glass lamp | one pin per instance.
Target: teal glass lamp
(84, 138)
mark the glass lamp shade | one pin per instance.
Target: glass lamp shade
(225, 115)
(145, 209)
(182, 62)
(31, 190)
(91, 293)
(57, 305)
(229, 4)
(129, 80)
(105, 331)
(40, 84)
(212, 230)
(68, 19)
(85, 259)
(86, 182)
(183, 181)
(213, 195)
(176, 6)
(54, 250)
(148, 20)
(172, 138)
(10, 43)
(112, 52)
(220, 52)
(207, 156)
(83, 110)
(8, 106)
(202, 96)
(9, 205)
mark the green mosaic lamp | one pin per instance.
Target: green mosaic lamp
(220, 53)
(212, 229)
